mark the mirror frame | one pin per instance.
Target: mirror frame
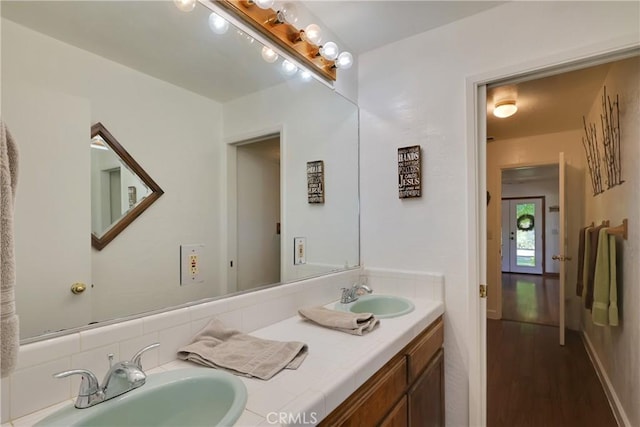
(118, 227)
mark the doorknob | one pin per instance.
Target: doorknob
(561, 258)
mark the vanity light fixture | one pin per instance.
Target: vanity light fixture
(185, 5)
(269, 55)
(218, 24)
(289, 68)
(264, 4)
(305, 75)
(301, 46)
(98, 142)
(329, 51)
(506, 108)
(312, 33)
(344, 61)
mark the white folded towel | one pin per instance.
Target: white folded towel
(351, 323)
(218, 347)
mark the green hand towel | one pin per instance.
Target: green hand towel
(604, 284)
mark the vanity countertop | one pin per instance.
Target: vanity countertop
(337, 364)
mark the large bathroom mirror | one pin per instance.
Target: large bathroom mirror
(183, 100)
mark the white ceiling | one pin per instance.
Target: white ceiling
(364, 25)
(546, 105)
(155, 38)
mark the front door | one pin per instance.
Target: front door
(522, 230)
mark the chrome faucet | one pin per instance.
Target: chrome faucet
(122, 377)
(351, 294)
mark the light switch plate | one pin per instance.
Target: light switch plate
(191, 264)
(299, 250)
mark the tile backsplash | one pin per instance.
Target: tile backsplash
(32, 388)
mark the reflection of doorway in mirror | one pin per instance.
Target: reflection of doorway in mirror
(258, 255)
(132, 196)
(111, 190)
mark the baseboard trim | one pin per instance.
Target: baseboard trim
(493, 314)
(612, 397)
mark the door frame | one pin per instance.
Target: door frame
(543, 216)
(229, 206)
(476, 111)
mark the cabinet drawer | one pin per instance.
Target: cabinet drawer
(374, 399)
(422, 350)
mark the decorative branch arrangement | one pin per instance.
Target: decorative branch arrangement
(590, 144)
(610, 120)
(605, 156)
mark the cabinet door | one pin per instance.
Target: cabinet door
(426, 397)
(398, 415)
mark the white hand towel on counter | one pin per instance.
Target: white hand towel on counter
(218, 347)
(351, 323)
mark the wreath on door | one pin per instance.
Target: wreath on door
(525, 222)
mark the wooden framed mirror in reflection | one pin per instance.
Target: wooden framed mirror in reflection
(178, 97)
(120, 188)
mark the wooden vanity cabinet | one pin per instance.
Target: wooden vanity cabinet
(407, 391)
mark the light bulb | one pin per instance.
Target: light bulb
(305, 75)
(329, 51)
(269, 55)
(218, 24)
(289, 68)
(288, 13)
(185, 5)
(505, 109)
(344, 61)
(264, 4)
(313, 34)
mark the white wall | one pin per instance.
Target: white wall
(174, 136)
(413, 92)
(315, 124)
(617, 347)
(549, 189)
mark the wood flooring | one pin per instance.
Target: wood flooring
(530, 298)
(534, 382)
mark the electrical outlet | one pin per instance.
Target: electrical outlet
(190, 264)
(300, 250)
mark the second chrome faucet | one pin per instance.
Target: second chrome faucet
(122, 377)
(351, 294)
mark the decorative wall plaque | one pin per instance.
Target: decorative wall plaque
(409, 172)
(315, 181)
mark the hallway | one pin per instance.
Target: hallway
(534, 382)
(530, 298)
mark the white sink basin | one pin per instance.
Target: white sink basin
(382, 306)
(184, 397)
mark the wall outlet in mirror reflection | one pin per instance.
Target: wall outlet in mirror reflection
(299, 250)
(190, 261)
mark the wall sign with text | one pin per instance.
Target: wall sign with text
(315, 181)
(409, 172)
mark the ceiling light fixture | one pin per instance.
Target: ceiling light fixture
(505, 109)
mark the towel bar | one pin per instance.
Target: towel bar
(621, 230)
